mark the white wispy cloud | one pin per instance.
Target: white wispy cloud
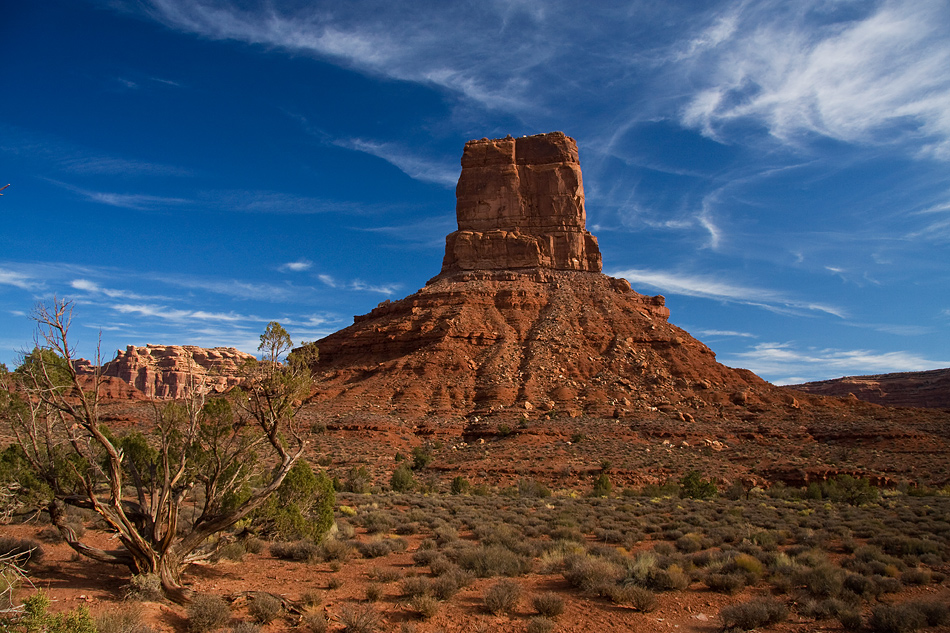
(298, 266)
(358, 285)
(19, 280)
(726, 333)
(411, 164)
(179, 315)
(136, 201)
(787, 363)
(254, 201)
(709, 287)
(804, 68)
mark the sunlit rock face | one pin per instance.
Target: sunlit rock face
(520, 204)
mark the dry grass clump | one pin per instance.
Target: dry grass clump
(125, 618)
(359, 618)
(146, 587)
(264, 608)
(754, 614)
(548, 604)
(425, 605)
(503, 597)
(207, 613)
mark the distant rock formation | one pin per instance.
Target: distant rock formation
(164, 371)
(521, 205)
(929, 389)
(521, 318)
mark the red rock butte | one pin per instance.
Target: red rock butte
(521, 205)
(520, 318)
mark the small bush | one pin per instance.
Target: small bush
(264, 608)
(146, 587)
(936, 613)
(316, 622)
(730, 583)
(754, 614)
(22, 551)
(850, 618)
(359, 618)
(540, 624)
(207, 613)
(640, 598)
(374, 591)
(502, 597)
(548, 604)
(125, 618)
(242, 627)
(895, 618)
(426, 606)
(304, 550)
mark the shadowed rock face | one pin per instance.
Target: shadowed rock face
(904, 389)
(520, 204)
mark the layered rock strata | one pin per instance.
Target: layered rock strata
(903, 389)
(168, 371)
(520, 204)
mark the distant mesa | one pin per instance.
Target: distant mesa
(166, 371)
(520, 318)
(930, 389)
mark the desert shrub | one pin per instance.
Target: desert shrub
(207, 613)
(493, 560)
(693, 486)
(302, 551)
(503, 596)
(935, 613)
(147, 587)
(895, 618)
(916, 576)
(36, 617)
(447, 585)
(359, 618)
(425, 605)
(750, 615)
(729, 583)
(591, 574)
(334, 550)
(334, 582)
(312, 598)
(689, 543)
(460, 486)
(850, 618)
(402, 479)
(230, 551)
(673, 578)
(264, 608)
(242, 627)
(540, 624)
(548, 604)
(602, 486)
(640, 598)
(848, 489)
(415, 586)
(375, 548)
(886, 584)
(22, 551)
(374, 591)
(315, 621)
(823, 581)
(821, 609)
(376, 522)
(126, 618)
(860, 586)
(301, 508)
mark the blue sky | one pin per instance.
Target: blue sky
(188, 170)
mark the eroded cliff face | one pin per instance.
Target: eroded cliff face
(520, 204)
(166, 371)
(520, 317)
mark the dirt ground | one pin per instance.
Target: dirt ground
(72, 581)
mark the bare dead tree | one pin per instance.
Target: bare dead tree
(219, 457)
